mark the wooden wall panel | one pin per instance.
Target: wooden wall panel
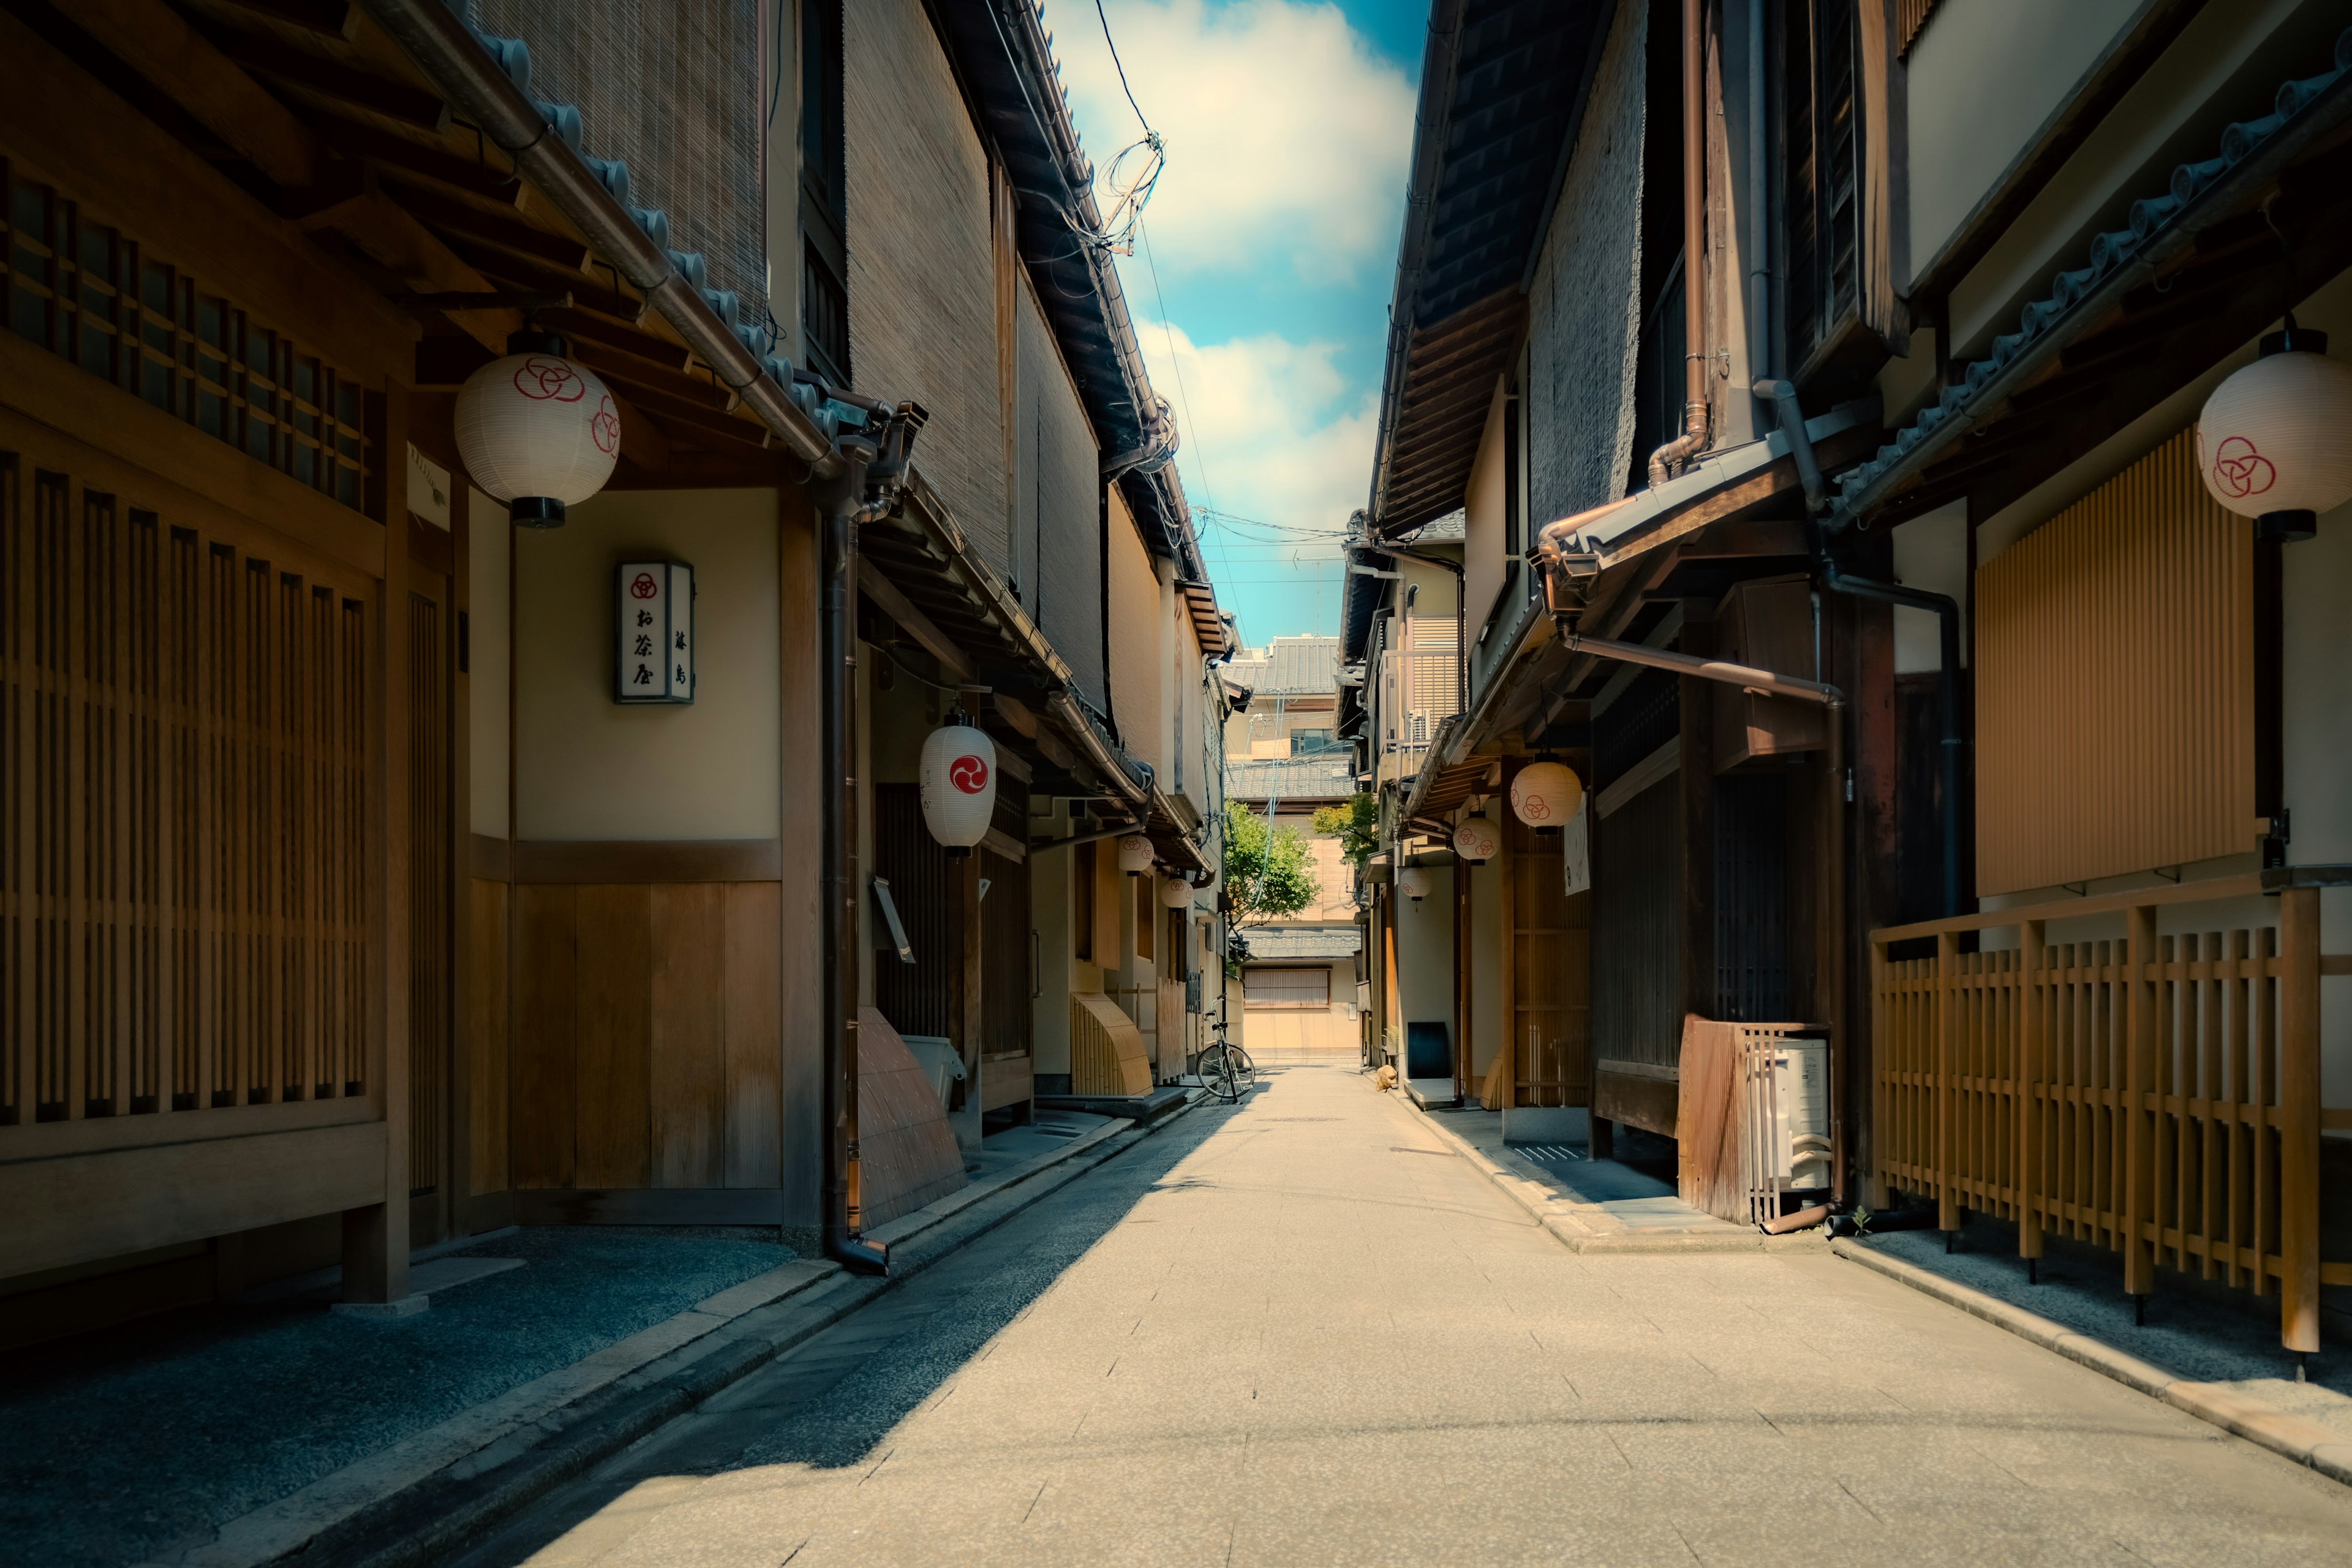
(689, 1035)
(545, 1076)
(486, 1037)
(614, 1020)
(2114, 684)
(1550, 972)
(754, 1024)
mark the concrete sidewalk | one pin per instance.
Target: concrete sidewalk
(254, 1433)
(1306, 1330)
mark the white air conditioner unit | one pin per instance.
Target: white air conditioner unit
(1799, 1113)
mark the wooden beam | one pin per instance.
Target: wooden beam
(642, 441)
(155, 40)
(385, 232)
(917, 625)
(327, 18)
(309, 72)
(1017, 713)
(499, 228)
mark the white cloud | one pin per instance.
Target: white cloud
(1273, 431)
(1286, 135)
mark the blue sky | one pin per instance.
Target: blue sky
(1261, 290)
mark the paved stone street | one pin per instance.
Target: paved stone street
(1300, 1331)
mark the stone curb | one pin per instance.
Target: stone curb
(1590, 1228)
(2307, 1443)
(454, 1482)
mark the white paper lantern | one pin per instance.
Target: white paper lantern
(959, 788)
(1477, 839)
(1175, 893)
(1413, 883)
(539, 432)
(1546, 795)
(1135, 853)
(2277, 436)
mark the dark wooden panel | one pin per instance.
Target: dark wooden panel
(650, 1205)
(1636, 936)
(1751, 898)
(754, 1133)
(1005, 956)
(1636, 1099)
(919, 998)
(545, 1077)
(688, 1034)
(613, 1024)
(1550, 971)
(486, 1037)
(649, 860)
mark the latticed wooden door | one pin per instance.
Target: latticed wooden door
(1550, 1018)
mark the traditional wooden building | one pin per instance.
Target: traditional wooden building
(343, 906)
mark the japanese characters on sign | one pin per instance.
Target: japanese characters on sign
(653, 632)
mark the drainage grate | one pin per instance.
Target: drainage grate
(1553, 1152)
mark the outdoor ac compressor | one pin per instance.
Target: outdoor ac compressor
(1800, 1113)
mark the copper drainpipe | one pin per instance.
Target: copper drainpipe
(1694, 436)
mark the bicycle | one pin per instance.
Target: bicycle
(1225, 1069)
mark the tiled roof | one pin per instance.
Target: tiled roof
(2153, 219)
(1289, 666)
(1291, 778)
(1331, 942)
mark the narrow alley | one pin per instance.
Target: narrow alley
(1302, 1329)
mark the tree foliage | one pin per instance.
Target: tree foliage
(1269, 871)
(1357, 822)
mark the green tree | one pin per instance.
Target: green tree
(1269, 871)
(1356, 821)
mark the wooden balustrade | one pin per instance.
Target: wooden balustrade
(2156, 1092)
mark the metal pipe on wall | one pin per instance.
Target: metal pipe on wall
(1694, 436)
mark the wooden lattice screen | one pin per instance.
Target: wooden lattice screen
(182, 816)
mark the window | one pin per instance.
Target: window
(1286, 987)
(1082, 902)
(1314, 742)
(93, 295)
(824, 302)
(1820, 176)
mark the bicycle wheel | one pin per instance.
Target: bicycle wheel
(1244, 1070)
(1217, 1072)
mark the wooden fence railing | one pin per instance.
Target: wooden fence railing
(2143, 1082)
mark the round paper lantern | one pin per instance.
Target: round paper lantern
(1135, 853)
(959, 788)
(1477, 839)
(1176, 894)
(2272, 441)
(1413, 883)
(1546, 795)
(538, 432)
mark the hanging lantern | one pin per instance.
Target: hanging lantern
(1546, 795)
(958, 791)
(1135, 853)
(1477, 839)
(538, 431)
(2271, 441)
(1175, 894)
(1413, 883)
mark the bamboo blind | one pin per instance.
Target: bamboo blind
(1910, 16)
(2115, 670)
(182, 827)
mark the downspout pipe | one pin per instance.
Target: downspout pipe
(1759, 200)
(1782, 395)
(1947, 704)
(456, 63)
(879, 475)
(1694, 436)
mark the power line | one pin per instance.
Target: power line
(1121, 68)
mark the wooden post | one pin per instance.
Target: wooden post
(2139, 1122)
(2298, 1114)
(1503, 1073)
(969, 1014)
(1461, 976)
(1947, 998)
(1875, 1194)
(375, 1238)
(2032, 1069)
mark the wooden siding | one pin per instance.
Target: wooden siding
(2115, 678)
(1637, 881)
(922, 266)
(183, 761)
(645, 1049)
(1550, 972)
(1007, 963)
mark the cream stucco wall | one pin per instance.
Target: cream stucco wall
(1982, 79)
(1137, 647)
(586, 767)
(1424, 936)
(489, 664)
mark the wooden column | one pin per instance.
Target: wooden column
(1875, 1193)
(2141, 993)
(1462, 949)
(800, 958)
(375, 1238)
(2032, 1071)
(1947, 998)
(970, 1015)
(2298, 1113)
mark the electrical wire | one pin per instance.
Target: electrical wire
(1121, 68)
